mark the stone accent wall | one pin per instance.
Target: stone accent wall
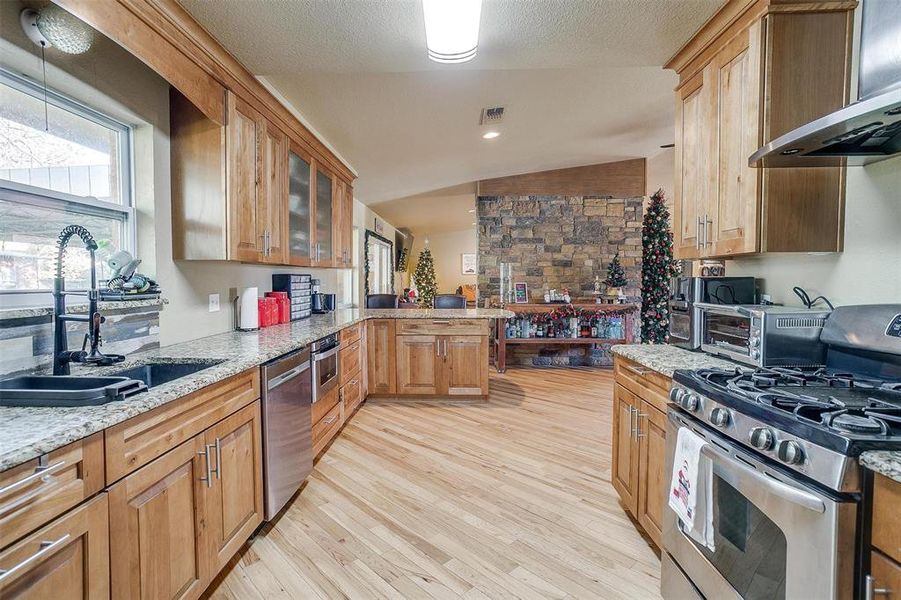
(564, 241)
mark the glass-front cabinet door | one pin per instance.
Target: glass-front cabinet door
(323, 252)
(300, 221)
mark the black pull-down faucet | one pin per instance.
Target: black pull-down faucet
(62, 356)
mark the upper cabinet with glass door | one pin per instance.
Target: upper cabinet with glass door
(323, 253)
(300, 208)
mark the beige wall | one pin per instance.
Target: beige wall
(447, 248)
(659, 173)
(869, 269)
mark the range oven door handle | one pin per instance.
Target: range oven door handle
(330, 352)
(784, 491)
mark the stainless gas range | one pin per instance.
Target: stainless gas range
(787, 486)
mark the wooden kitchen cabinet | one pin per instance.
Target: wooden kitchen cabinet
(300, 207)
(158, 518)
(245, 226)
(638, 441)
(885, 539)
(418, 365)
(463, 369)
(67, 559)
(744, 80)
(234, 501)
(343, 224)
(324, 202)
(272, 207)
(381, 363)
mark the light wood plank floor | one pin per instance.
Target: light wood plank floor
(505, 499)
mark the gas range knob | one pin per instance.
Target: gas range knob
(763, 438)
(721, 417)
(676, 394)
(754, 341)
(790, 452)
(755, 354)
(691, 402)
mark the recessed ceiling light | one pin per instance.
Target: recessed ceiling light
(452, 29)
(490, 135)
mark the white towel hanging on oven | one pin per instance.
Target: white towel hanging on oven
(691, 487)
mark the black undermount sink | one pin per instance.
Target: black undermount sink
(158, 373)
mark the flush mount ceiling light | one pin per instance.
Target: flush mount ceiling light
(54, 27)
(490, 135)
(452, 29)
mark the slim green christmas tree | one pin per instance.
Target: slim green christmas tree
(424, 276)
(657, 267)
(616, 275)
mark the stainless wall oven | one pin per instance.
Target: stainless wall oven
(324, 355)
(776, 536)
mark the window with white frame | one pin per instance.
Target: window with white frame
(61, 163)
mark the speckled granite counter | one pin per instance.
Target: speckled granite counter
(884, 462)
(665, 359)
(26, 433)
(73, 306)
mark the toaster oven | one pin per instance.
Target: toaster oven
(763, 335)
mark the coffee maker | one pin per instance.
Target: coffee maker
(684, 318)
(321, 303)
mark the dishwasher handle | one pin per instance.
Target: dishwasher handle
(287, 375)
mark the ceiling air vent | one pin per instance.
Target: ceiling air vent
(492, 115)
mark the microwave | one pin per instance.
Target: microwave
(684, 325)
(763, 335)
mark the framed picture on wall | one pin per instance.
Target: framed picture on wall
(521, 293)
(469, 264)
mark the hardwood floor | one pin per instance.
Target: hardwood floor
(505, 499)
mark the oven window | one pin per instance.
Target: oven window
(680, 325)
(750, 549)
(327, 369)
(727, 331)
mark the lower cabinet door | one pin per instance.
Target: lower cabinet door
(886, 575)
(234, 501)
(65, 560)
(651, 470)
(624, 473)
(157, 548)
(418, 365)
(465, 365)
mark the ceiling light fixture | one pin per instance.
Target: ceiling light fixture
(490, 135)
(452, 29)
(53, 27)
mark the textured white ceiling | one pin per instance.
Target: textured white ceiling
(445, 209)
(581, 79)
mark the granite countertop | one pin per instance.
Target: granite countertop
(884, 462)
(665, 359)
(74, 306)
(26, 433)
(439, 313)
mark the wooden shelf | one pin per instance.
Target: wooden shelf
(562, 340)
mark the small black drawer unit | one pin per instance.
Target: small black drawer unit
(299, 290)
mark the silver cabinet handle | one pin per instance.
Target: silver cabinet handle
(636, 370)
(707, 223)
(440, 322)
(331, 420)
(263, 243)
(208, 465)
(631, 422)
(46, 548)
(39, 473)
(871, 591)
(218, 469)
(445, 348)
(638, 417)
(437, 347)
(698, 233)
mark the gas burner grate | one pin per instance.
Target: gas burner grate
(850, 422)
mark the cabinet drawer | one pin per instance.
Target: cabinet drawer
(67, 558)
(351, 358)
(352, 394)
(326, 428)
(139, 440)
(442, 327)
(38, 491)
(350, 334)
(643, 382)
(886, 575)
(886, 517)
(324, 405)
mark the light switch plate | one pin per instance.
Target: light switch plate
(214, 302)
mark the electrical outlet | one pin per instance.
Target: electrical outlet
(766, 299)
(214, 302)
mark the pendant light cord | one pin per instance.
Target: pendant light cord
(44, 69)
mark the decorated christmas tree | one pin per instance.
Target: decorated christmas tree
(656, 269)
(424, 276)
(616, 275)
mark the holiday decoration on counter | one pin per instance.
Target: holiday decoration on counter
(569, 321)
(657, 266)
(424, 276)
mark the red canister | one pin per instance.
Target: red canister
(284, 306)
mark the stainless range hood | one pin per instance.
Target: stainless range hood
(868, 130)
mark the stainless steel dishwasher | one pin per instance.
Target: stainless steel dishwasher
(287, 432)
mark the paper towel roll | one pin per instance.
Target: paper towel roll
(248, 313)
